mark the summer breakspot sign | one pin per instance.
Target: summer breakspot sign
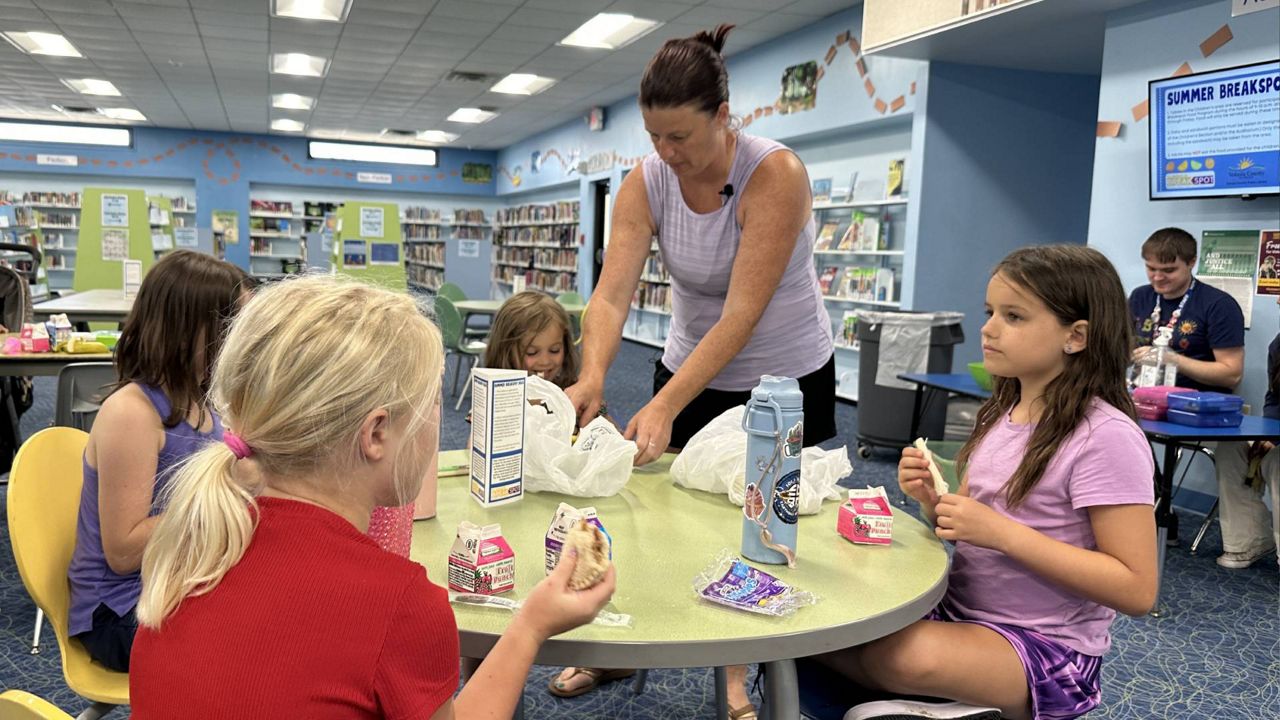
(1216, 134)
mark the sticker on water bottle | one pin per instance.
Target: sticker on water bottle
(786, 497)
(795, 440)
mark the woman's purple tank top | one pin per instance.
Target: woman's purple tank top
(793, 337)
(92, 580)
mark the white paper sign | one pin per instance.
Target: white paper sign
(378, 178)
(115, 211)
(186, 237)
(4, 221)
(132, 277)
(161, 241)
(115, 244)
(64, 160)
(1244, 7)
(371, 225)
(469, 248)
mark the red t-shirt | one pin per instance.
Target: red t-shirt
(315, 621)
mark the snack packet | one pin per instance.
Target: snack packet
(731, 582)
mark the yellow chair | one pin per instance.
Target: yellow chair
(19, 705)
(44, 502)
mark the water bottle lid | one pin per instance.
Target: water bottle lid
(784, 390)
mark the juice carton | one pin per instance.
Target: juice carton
(481, 561)
(565, 518)
(865, 518)
(35, 337)
(497, 435)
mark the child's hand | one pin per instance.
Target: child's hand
(914, 478)
(552, 607)
(963, 518)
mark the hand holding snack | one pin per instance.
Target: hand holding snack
(554, 607)
(914, 478)
(940, 486)
(593, 555)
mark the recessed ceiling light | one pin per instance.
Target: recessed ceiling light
(90, 86)
(393, 154)
(472, 115)
(328, 10)
(522, 84)
(70, 134)
(609, 31)
(42, 43)
(299, 64)
(287, 125)
(437, 136)
(123, 114)
(290, 101)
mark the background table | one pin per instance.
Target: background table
(87, 306)
(665, 535)
(960, 384)
(490, 307)
(49, 363)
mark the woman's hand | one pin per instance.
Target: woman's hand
(587, 398)
(915, 480)
(651, 429)
(552, 607)
(963, 518)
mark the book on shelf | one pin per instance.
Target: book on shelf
(822, 190)
(897, 171)
(827, 278)
(849, 329)
(868, 190)
(884, 281)
(825, 236)
(849, 241)
(868, 232)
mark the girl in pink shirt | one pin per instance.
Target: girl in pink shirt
(1052, 523)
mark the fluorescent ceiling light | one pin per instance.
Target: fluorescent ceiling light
(90, 86)
(123, 114)
(290, 101)
(71, 134)
(522, 84)
(287, 125)
(609, 31)
(472, 115)
(328, 10)
(393, 154)
(437, 136)
(299, 64)
(42, 43)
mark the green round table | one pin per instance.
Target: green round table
(663, 536)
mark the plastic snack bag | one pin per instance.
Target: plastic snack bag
(731, 582)
(604, 617)
(597, 465)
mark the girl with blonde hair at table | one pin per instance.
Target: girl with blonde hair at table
(1052, 523)
(152, 419)
(262, 596)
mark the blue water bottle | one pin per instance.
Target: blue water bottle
(774, 421)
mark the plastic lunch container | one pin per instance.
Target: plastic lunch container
(1206, 402)
(1211, 420)
(1151, 402)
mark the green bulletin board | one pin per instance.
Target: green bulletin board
(114, 223)
(369, 245)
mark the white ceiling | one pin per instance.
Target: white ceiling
(203, 63)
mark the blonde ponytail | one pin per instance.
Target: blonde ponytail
(204, 530)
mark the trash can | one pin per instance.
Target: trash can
(885, 404)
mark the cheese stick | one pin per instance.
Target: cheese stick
(939, 483)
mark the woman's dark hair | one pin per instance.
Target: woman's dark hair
(175, 330)
(1074, 283)
(688, 71)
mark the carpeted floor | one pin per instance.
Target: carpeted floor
(1215, 654)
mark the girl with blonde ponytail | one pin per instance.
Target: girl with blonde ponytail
(262, 596)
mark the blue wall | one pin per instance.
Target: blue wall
(1007, 158)
(223, 165)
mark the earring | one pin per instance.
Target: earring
(1068, 349)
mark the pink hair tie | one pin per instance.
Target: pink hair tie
(238, 446)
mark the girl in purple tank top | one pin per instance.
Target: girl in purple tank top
(152, 419)
(1053, 524)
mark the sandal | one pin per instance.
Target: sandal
(746, 712)
(599, 676)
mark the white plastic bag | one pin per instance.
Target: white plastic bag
(715, 460)
(597, 465)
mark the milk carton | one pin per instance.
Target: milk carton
(481, 561)
(565, 518)
(865, 518)
(497, 435)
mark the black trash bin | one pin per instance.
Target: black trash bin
(884, 413)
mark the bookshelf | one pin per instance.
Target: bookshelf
(539, 242)
(276, 245)
(650, 318)
(51, 221)
(424, 229)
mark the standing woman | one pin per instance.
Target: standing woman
(734, 221)
(733, 217)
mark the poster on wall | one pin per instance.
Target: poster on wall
(477, 173)
(115, 210)
(799, 88)
(354, 254)
(468, 248)
(1269, 262)
(186, 237)
(227, 224)
(115, 244)
(371, 224)
(384, 253)
(1228, 261)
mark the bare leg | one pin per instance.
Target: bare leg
(958, 661)
(737, 686)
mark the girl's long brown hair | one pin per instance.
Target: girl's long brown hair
(1075, 283)
(181, 314)
(520, 318)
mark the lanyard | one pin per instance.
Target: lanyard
(1173, 319)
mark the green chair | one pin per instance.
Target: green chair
(456, 294)
(451, 291)
(455, 342)
(569, 298)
